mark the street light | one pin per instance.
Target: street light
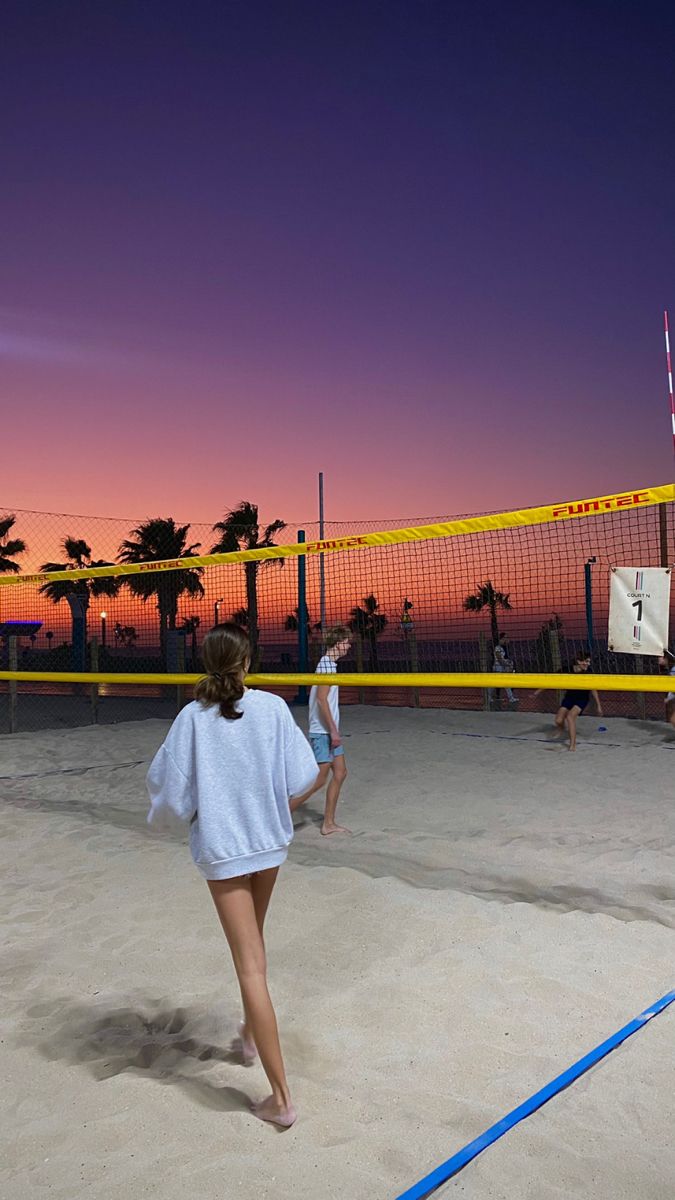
(104, 617)
(216, 608)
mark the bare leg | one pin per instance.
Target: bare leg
(234, 901)
(560, 718)
(332, 794)
(324, 771)
(262, 886)
(572, 725)
(670, 712)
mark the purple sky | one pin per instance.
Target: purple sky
(422, 246)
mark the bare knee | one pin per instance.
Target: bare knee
(251, 963)
(322, 777)
(339, 769)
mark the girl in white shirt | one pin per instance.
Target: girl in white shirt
(229, 765)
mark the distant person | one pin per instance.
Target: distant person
(574, 701)
(667, 665)
(324, 731)
(502, 663)
(229, 764)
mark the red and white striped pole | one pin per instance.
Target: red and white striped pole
(670, 377)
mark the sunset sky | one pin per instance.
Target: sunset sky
(424, 246)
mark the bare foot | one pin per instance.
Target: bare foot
(326, 829)
(248, 1047)
(276, 1114)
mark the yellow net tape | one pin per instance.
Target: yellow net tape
(519, 518)
(436, 679)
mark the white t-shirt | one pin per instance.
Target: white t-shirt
(326, 667)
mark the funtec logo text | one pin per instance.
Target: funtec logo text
(610, 502)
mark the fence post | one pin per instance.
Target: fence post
(556, 660)
(94, 686)
(13, 666)
(301, 697)
(180, 691)
(358, 646)
(483, 659)
(412, 635)
(640, 696)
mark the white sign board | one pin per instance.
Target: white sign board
(639, 606)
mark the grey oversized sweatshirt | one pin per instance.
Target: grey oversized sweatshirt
(232, 781)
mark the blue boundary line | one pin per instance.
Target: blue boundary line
(459, 1160)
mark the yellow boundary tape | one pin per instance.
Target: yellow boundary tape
(469, 679)
(549, 513)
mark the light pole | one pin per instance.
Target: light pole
(104, 617)
(588, 589)
(216, 609)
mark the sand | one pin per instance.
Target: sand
(501, 908)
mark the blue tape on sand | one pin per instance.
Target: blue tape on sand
(430, 1182)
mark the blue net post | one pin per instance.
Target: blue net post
(588, 587)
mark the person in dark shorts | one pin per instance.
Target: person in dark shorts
(575, 701)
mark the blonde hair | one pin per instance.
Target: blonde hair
(226, 653)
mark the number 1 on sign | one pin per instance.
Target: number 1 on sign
(638, 605)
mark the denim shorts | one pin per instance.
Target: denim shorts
(323, 751)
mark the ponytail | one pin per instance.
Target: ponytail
(225, 654)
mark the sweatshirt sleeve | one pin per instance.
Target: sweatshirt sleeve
(301, 766)
(169, 779)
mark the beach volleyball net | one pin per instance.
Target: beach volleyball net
(424, 605)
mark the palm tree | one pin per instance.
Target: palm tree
(78, 555)
(8, 548)
(240, 530)
(157, 540)
(292, 622)
(485, 596)
(49, 635)
(368, 623)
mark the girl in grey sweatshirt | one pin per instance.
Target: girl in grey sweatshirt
(229, 765)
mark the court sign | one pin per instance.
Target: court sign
(639, 608)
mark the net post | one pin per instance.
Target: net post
(663, 534)
(94, 686)
(640, 696)
(301, 697)
(13, 666)
(588, 600)
(322, 562)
